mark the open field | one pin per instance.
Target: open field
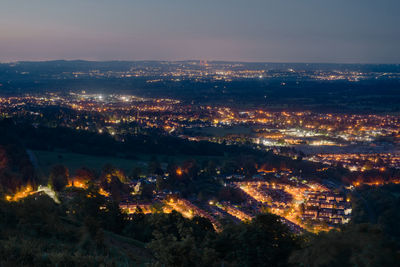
(44, 160)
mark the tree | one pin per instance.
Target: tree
(136, 172)
(59, 177)
(265, 241)
(182, 242)
(355, 245)
(85, 174)
(160, 184)
(154, 166)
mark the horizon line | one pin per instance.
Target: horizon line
(192, 60)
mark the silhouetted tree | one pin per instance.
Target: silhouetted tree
(59, 175)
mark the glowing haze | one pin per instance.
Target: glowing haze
(359, 31)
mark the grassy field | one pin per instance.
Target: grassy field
(46, 159)
(73, 161)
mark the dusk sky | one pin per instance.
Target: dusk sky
(348, 31)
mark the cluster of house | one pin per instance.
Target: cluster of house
(131, 207)
(326, 206)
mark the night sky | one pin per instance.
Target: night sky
(348, 31)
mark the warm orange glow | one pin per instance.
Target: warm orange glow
(288, 210)
(116, 173)
(267, 171)
(103, 192)
(179, 171)
(23, 192)
(188, 210)
(133, 208)
(79, 183)
(237, 213)
(377, 182)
